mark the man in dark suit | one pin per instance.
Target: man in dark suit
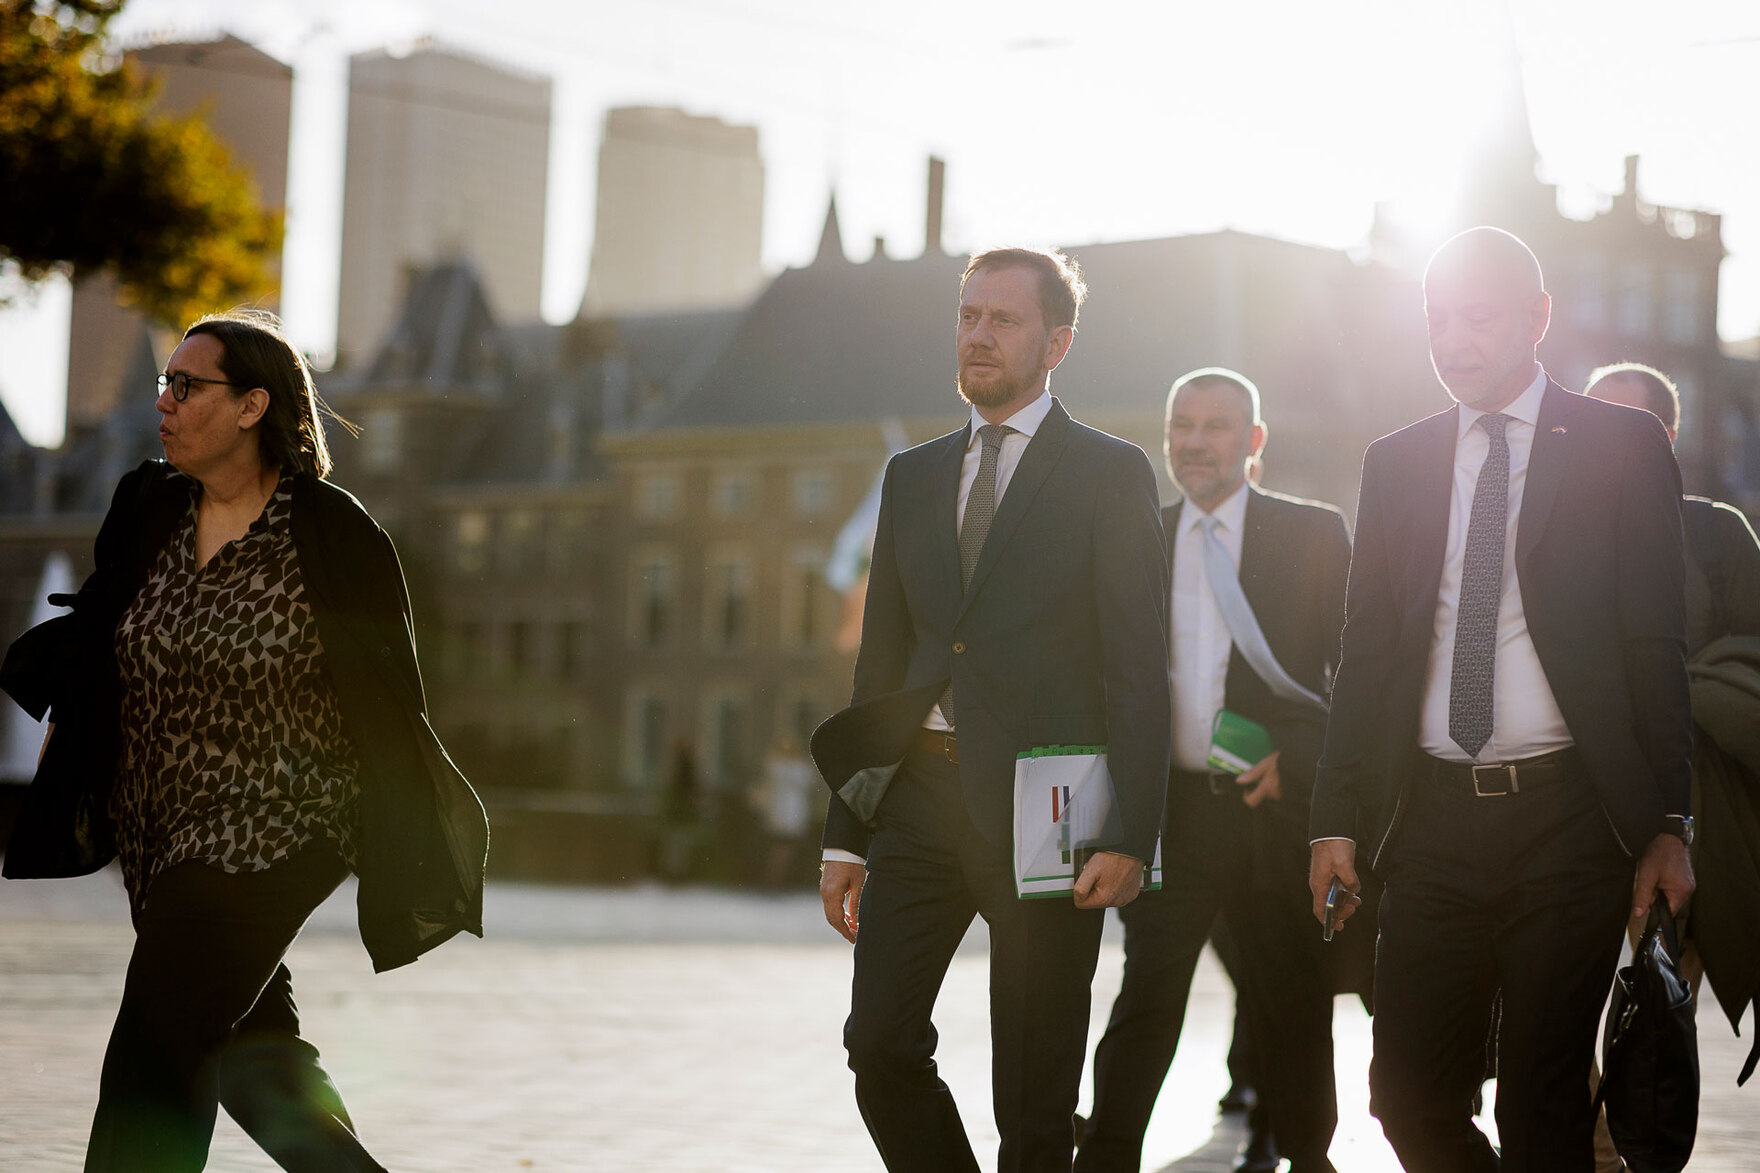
(1017, 597)
(1510, 727)
(1237, 845)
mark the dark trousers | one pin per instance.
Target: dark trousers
(1527, 893)
(208, 1018)
(929, 873)
(1220, 857)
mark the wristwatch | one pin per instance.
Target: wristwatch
(1680, 826)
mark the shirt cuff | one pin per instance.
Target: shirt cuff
(838, 855)
(1333, 839)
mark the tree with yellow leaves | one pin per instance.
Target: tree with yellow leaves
(92, 179)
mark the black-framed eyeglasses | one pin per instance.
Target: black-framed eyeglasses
(179, 384)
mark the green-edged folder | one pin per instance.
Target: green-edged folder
(1238, 744)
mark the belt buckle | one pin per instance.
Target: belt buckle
(1220, 784)
(1509, 774)
(949, 750)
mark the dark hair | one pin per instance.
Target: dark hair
(1061, 288)
(1659, 389)
(256, 353)
(1219, 377)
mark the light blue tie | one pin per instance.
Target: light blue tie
(1243, 626)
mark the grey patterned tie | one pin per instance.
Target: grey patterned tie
(975, 527)
(1470, 686)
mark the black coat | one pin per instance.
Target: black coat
(1060, 638)
(1600, 562)
(423, 838)
(1295, 555)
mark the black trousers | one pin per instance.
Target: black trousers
(929, 873)
(1527, 893)
(208, 1018)
(1252, 868)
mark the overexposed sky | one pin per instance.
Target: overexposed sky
(1060, 123)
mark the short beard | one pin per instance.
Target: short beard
(1004, 390)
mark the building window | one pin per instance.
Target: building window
(567, 545)
(1681, 311)
(1633, 310)
(653, 598)
(569, 653)
(517, 649)
(644, 738)
(806, 601)
(798, 716)
(470, 541)
(520, 537)
(382, 440)
(726, 739)
(657, 496)
(735, 494)
(812, 493)
(727, 619)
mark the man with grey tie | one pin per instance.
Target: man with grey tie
(1258, 582)
(1017, 598)
(1510, 732)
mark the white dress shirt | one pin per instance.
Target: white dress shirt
(1025, 423)
(1525, 717)
(1201, 643)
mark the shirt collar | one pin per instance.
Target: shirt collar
(1526, 406)
(1026, 421)
(1231, 515)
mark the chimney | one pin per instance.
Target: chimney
(932, 219)
(1629, 197)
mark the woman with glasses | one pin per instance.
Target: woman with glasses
(237, 714)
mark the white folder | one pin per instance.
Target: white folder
(1063, 803)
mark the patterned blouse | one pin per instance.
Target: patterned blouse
(233, 749)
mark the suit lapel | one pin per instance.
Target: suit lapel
(1425, 531)
(1036, 464)
(1256, 551)
(1547, 463)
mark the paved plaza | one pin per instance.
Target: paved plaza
(623, 1029)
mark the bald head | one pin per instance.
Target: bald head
(1487, 309)
(1489, 252)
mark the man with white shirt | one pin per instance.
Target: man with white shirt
(1017, 597)
(1510, 730)
(1235, 845)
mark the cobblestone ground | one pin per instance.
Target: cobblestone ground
(632, 1029)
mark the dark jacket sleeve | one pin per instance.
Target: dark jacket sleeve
(888, 639)
(1651, 570)
(1131, 600)
(1324, 570)
(888, 635)
(1371, 622)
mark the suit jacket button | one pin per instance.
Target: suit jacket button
(958, 648)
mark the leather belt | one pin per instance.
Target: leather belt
(1501, 779)
(939, 743)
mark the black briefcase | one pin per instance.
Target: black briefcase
(1650, 1055)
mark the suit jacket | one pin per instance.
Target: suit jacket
(1600, 564)
(1295, 556)
(1060, 638)
(423, 837)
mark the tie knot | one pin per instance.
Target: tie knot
(1208, 523)
(991, 434)
(1494, 423)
